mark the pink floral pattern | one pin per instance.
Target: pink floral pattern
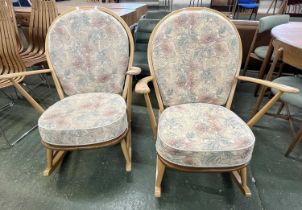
(89, 51)
(203, 135)
(195, 56)
(84, 119)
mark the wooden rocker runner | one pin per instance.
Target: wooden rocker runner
(195, 57)
(90, 54)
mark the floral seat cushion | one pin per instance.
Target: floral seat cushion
(203, 135)
(84, 119)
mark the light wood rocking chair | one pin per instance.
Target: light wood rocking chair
(194, 56)
(91, 61)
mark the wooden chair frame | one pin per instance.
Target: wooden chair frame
(251, 54)
(41, 17)
(13, 16)
(287, 54)
(239, 172)
(56, 153)
(11, 61)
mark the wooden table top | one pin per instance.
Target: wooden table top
(64, 5)
(289, 33)
(130, 12)
(61, 9)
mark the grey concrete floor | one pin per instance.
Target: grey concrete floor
(96, 179)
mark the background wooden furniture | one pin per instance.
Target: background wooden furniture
(130, 12)
(286, 33)
(10, 59)
(222, 5)
(13, 17)
(44, 12)
(265, 25)
(243, 5)
(185, 95)
(287, 45)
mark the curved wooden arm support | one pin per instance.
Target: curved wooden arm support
(134, 71)
(281, 89)
(19, 87)
(143, 88)
(142, 85)
(25, 73)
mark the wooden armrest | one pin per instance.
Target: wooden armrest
(25, 73)
(134, 71)
(142, 85)
(280, 87)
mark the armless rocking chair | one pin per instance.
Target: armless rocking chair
(194, 56)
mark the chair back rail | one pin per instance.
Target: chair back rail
(43, 14)
(13, 17)
(10, 60)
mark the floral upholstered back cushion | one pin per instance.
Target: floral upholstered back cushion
(89, 51)
(195, 56)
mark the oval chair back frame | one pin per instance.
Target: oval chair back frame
(156, 87)
(239, 172)
(56, 153)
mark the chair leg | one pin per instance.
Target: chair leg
(160, 170)
(240, 177)
(295, 141)
(246, 65)
(280, 108)
(126, 155)
(53, 160)
(129, 142)
(290, 119)
(259, 100)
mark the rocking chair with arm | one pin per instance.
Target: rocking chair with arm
(90, 54)
(194, 56)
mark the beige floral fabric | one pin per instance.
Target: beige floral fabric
(203, 135)
(89, 51)
(84, 119)
(195, 55)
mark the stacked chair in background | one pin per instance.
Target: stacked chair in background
(15, 57)
(11, 61)
(42, 15)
